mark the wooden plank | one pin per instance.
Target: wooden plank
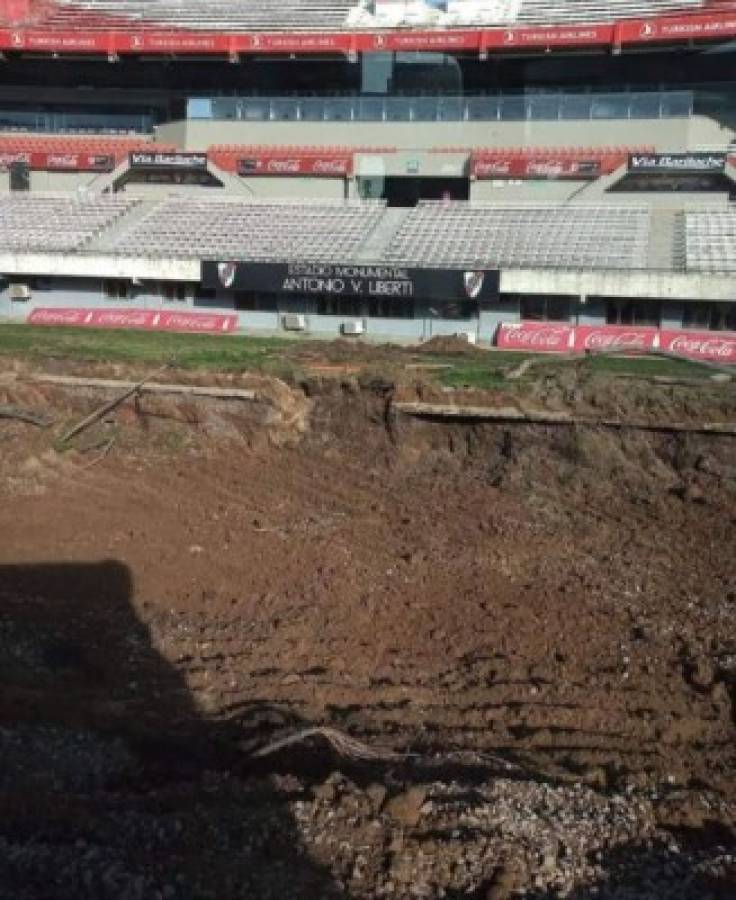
(511, 415)
(188, 390)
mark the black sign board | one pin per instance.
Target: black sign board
(352, 280)
(143, 159)
(672, 163)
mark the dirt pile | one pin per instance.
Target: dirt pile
(540, 620)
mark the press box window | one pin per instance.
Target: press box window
(634, 312)
(339, 306)
(116, 289)
(545, 309)
(173, 292)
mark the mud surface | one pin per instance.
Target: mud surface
(541, 619)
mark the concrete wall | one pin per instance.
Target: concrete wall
(89, 293)
(665, 134)
(61, 181)
(533, 192)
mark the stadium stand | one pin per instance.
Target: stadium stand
(196, 14)
(56, 223)
(550, 237)
(336, 14)
(710, 241)
(36, 149)
(224, 229)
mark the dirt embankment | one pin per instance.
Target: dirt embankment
(541, 618)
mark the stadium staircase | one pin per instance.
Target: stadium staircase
(376, 244)
(663, 238)
(104, 241)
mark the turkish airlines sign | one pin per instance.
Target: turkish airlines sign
(326, 166)
(148, 320)
(553, 337)
(134, 40)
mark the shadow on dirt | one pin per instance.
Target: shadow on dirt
(112, 783)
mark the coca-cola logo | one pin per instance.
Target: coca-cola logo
(62, 160)
(284, 166)
(548, 337)
(545, 168)
(330, 166)
(601, 340)
(492, 167)
(709, 348)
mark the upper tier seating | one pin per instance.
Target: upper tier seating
(311, 15)
(221, 229)
(710, 241)
(118, 148)
(56, 223)
(244, 15)
(461, 234)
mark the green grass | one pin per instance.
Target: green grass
(183, 350)
(284, 357)
(648, 366)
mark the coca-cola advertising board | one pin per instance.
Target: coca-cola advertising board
(553, 337)
(325, 166)
(537, 337)
(711, 346)
(604, 338)
(146, 319)
(535, 167)
(59, 162)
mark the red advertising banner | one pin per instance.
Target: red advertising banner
(712, 346)
(60, 162)
(677, 28)
(146, 319)
(538, 337)
(553, 337)
(331, 165)
(547, 36)
(137, 40)
(614, 337)
(455, 39)
(541, 167)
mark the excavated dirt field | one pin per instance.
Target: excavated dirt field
(532, 628)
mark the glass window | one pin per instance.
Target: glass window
(644, 106)
(544, 107)
(512, 109)
(250, 302)
(116, 289)
(329, 305)
(482, 109)
(609, 106)
(391, 308)
(545, 309)
(370, 109)
(575, 106)
(634, 312)
(286, 110)
(676, 104)
(424, 109)
(338, 110)
(451, 109)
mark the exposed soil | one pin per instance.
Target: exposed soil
(542, 619)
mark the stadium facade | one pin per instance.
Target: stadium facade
(557, 175)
